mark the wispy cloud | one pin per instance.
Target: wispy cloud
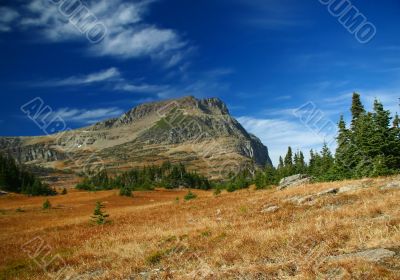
(388, 96)
(141, 88)
(278, 134)
(86, 117)
(111, 74)
(7, 17)
(112, 77)
(128, 35)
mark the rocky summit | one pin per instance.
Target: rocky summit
(198, 133)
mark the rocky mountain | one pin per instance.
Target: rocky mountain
(198, 133)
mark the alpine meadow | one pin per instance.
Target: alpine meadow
(233, 140)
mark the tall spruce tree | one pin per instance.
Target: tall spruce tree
(344, 151)
(299, 163)
(281, 163)
(289, 158)
(357, 108)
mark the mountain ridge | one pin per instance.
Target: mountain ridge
(198, 132)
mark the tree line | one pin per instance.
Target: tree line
(168, 175)
(17, 178)
(368, 147)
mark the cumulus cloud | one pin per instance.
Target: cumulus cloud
(127, 33)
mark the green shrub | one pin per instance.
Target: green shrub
(124, 191)
(217, 192)
(46, 205)
(20, 210)
(190, 196)
(155, 258)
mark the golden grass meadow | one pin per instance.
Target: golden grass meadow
(249, 234)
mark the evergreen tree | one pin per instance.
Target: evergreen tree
(344, 151)
(281, 164)
(16, 178)
(363, 135)
(357, 108)
(299, 163)
(289, 158)
(99, 217)
(46, 205)
(125, 191)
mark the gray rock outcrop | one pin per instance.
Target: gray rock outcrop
(293, 181)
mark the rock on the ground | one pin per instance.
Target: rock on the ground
(350, 188)
(371, 255)
(328, 192)
(300, 199)
(310, 198)
(3, 193)
(293, 181)
(270, 209)
(391, 185)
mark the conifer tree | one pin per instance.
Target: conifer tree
(281, 164)
(357, 108)
(344, 151)
(289, 158)
(99, 216)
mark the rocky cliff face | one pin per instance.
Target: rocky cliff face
(199, 133)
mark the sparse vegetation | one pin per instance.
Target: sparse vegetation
(64, 191)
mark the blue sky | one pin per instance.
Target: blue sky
(264, 58)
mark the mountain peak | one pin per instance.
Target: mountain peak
(198, 132)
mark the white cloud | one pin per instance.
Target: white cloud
(110, 74)
(128, 35)
(278, 134)
(147, 41)
(83, 116)
(7, 18)
(388, 96)
(142, 88)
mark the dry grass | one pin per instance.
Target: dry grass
(154, 236)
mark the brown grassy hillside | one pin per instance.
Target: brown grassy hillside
(249, 234)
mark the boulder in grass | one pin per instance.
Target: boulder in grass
(270, 209)
(292, 181)
(371, 255)
(391, 185)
